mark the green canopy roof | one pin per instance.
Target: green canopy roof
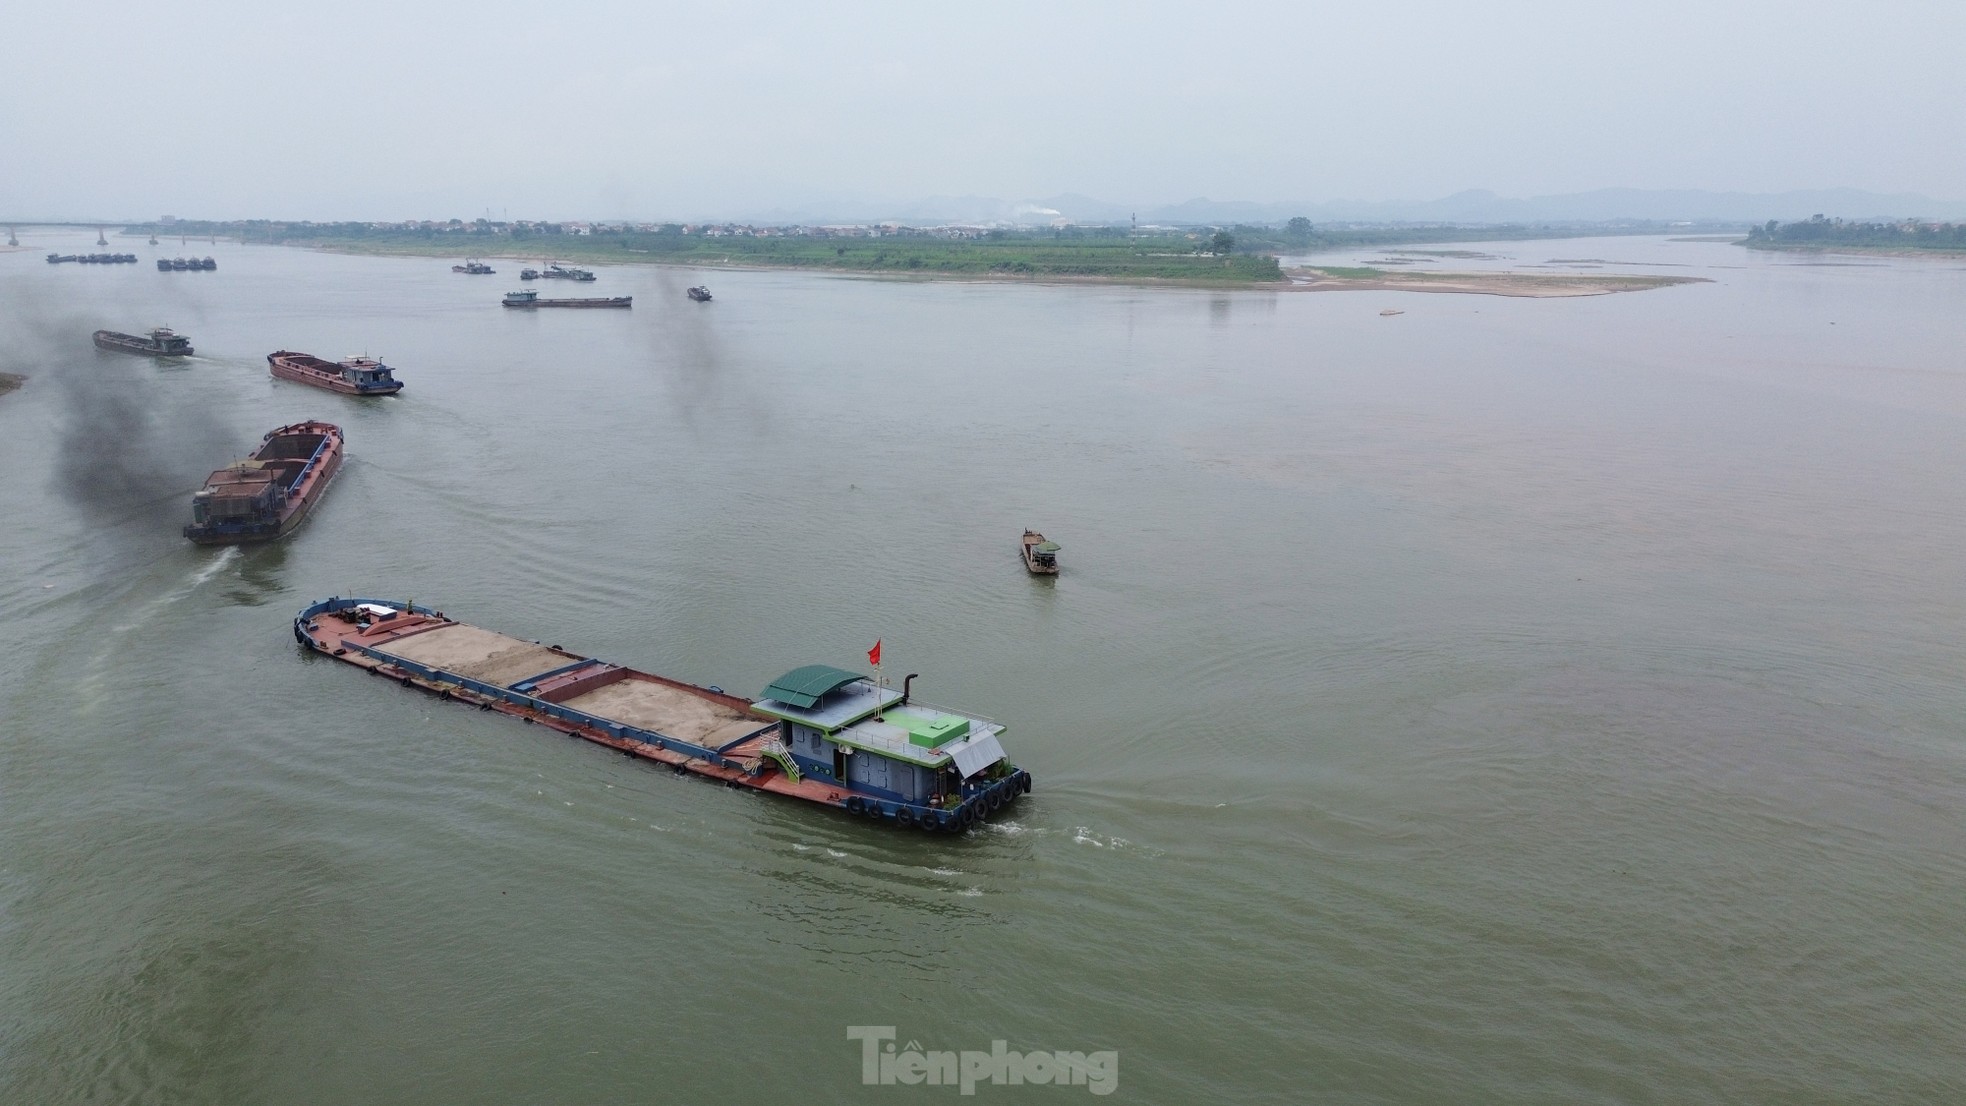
(804, 687)
(1047, 547)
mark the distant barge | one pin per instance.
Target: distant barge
(268, 494)
(160, 342)
(531, 299)
(357, 376)
(474, 268)
(821, 734)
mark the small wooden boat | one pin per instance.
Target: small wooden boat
(700, 294)
(1040, 556)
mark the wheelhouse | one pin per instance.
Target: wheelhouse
(876, 741)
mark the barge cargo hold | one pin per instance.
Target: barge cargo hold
(268, 494)
(160, 342)
(821, 734)
(357, 376)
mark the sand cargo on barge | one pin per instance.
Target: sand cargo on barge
(356, 376)
(268, 494)
(821, 734)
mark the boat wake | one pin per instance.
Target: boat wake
(192, 582)
(92, 682)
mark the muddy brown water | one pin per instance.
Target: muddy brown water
(1507, 701)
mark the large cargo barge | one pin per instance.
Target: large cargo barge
(819, 733)
(160, 342)
(268, 494)
(531, 299)
(356, 376)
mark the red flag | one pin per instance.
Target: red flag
(874, 654)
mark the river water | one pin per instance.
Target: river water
(1528, 701)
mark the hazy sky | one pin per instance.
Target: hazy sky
(431, 108)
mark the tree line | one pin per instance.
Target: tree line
(1820, 232)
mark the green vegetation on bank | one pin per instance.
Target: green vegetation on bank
(1099, 253)
(1238, 255)
(1820, 233)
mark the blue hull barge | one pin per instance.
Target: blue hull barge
(820, 733)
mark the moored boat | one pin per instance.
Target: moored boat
(159, 342)
(531, 299)
(268, 494)
(566, 272)
(528, 274)
(473, 267)
(700, 294)
(163, 264)
(355, 376)
(1040, 556)
(818, 733)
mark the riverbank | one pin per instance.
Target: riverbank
(1222, 276)
(1854, 251)
(1525, 285)
(1110, 261)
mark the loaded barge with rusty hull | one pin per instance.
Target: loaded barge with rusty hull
(356, 376)
(268, 494)
(159, 342)
(819, 733)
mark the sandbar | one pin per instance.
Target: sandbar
(1529, 285)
